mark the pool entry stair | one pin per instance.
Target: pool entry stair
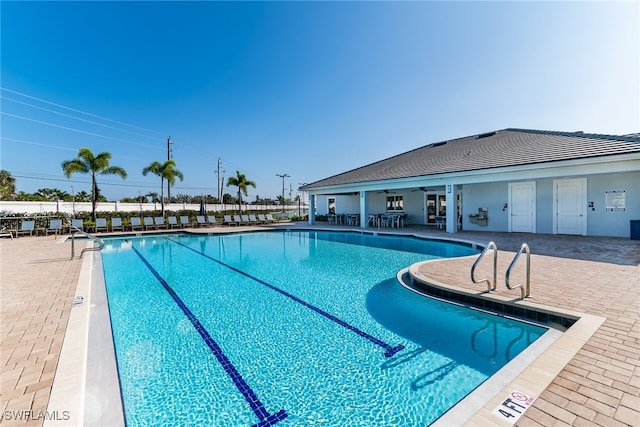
(75, 230)
(525, 290)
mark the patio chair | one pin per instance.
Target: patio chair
(270, 218)
(238, 220)
(101, 225)
(201, 221)
(148, 223)
(159, 223)
(173, 222)
(116, 224)
(441, 222)
(211, 219)
(55, 227)
(135, 223)
(253, 219)
(229, 221)
(262, 219)
(26, 227)
(78, 223)
(245, 219)
(184, 221)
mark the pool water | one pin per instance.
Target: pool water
(292, 328)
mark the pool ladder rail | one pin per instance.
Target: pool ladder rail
(525, 290)
(75, 230)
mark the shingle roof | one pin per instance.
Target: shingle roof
(503, 148)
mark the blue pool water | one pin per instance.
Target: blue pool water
(292, 328)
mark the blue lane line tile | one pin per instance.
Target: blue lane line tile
(266, 419)
(389, 350)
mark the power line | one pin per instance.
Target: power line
(78, 118)
(80, 111)
(78, 130)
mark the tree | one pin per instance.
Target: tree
(7, 185)
(86, 162)
(240, 181)
(166, 170)
(52, 194)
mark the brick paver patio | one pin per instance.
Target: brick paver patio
(600, 276)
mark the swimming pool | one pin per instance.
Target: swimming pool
(292, 328)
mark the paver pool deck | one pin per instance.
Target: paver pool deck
(593, 275)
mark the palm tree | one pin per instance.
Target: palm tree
(7, 185)
(240, 181)
(166, 170)
(86, 162)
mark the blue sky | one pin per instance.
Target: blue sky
(310, 89)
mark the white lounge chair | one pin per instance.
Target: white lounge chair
(184, 221)
(229, 221)
(116, 224)
(135, 223)
(262, 218)
(148, 223)
(238, 220)
(270, 218)
(245, 219)
(101, 225)
(202, 222)
(159, 223)
(211, 219)
(26, 227)
(55, 227)
(253, 219)
(173, 222)
(77, 223)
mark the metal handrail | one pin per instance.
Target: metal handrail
(526, 290)
(490, 246)
(75, 230)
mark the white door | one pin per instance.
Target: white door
(570, 206)
(522, 207)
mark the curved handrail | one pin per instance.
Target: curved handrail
(490, 246)
(75, 230)
(526, 290)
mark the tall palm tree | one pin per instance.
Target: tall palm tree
(7, 185)
(240, 181)
(166, 170)
(86, 162)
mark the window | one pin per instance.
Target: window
(395, 203)
(332, 206)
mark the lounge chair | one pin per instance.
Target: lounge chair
(101, 225)
(148, 223)
(202, 222)
(270, 218)
(211, 219)
(184, 221)
(77, 223)
(116, 223)
(262, 219)
(229, 221)
(135, 223)
(245, 219)
(173, 222)
(159, 223)
(55, 227)
(26, 227)
(253, 219)
(238, 220)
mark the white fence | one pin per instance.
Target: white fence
(34, 208)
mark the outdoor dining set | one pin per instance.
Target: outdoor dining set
(386, 220)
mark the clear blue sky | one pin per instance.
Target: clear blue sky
(303, 88)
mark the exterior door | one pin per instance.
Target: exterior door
(522, 207)
(570, 206)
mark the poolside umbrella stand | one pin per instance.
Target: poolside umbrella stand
(203, 211)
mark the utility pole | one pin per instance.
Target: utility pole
(169, 158)
(283, 176)
(220, 180)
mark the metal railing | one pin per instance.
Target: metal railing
(525, 290)
(489, 247)
(75, 230)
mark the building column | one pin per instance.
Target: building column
(312, 209)
(364, 208)
(452, 208)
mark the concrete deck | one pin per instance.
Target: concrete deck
(598, 276)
